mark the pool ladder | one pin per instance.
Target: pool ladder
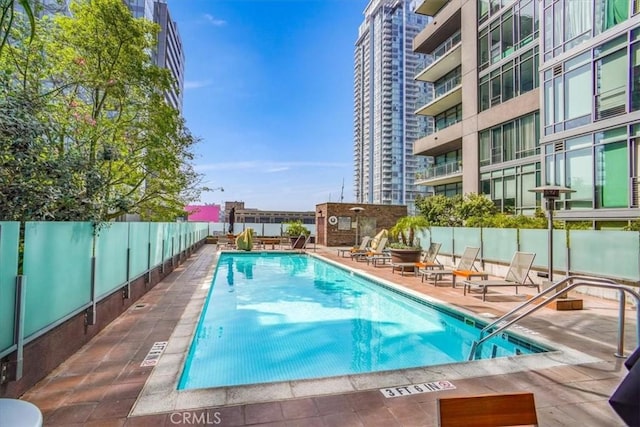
(559, 290)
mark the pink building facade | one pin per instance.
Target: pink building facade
(206, 213)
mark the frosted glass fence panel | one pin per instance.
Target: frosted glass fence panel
(217, 228)
(9, 234)
(424, 238)
(537, 241)
(166, 236)
(607, 253)
(138, 248)
(111, 257)
(182, 236)
(169, 242)
(499, 244)
(156, 230)
(444, 236)
(57, 263)
(465, 236)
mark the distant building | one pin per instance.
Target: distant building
(256, 216)
(207, 213)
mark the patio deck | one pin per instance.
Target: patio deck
(102, 383)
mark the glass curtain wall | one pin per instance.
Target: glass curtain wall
(601, 167)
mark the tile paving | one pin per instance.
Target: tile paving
(102, 383)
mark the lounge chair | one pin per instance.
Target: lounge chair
(490, 410)
(378, 251)
(517, 275)
(465, 266)
(363, 248)
(429, 260)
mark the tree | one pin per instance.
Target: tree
(7, 18)
(96, 85)
(440, 210)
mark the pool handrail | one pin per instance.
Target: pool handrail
(563, 289)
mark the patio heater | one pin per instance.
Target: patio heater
(551, 193)
(357, 210)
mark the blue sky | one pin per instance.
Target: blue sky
(269, 90)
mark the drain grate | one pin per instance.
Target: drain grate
(139, 306)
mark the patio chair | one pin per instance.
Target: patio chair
(517, 275)
(465, 266)
(489, 410)
(356, 249)
(429, 259)
(378, 251)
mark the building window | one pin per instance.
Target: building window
(448, 118)
(516, 28)
(567, 94)
(611, 84)
(500, 85)
(570, 22)
(612, 174)
(509, 188)
(512, 140)
(599, 168)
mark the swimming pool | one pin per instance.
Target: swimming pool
(279, 316)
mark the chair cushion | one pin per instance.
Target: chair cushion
(465, 273)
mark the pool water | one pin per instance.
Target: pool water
(279, 317)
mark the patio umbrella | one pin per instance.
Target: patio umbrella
(626, 399)
(232, 219)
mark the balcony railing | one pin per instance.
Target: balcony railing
(439, 52)
(438, 171)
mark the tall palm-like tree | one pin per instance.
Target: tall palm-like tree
(7, 15)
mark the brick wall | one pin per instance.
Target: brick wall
(372, 219)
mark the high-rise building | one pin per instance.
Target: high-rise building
(169, 53)
(385, 92)
(486, 103)
(582, 130)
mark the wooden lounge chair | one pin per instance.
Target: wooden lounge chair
(492, 410)
(517, 275)
(465, 266)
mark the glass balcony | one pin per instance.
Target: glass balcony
(440, 174)
(447, 94)
(443, 59)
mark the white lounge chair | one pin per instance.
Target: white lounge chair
(517, 275)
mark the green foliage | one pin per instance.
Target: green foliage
(296, 228)
(454, 211)
(7, 19)
(633, 225)
(440, 210)
(404, 231)
(95, 135)
(501, 220)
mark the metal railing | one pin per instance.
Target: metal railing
(445, 169)
(561, 288)
(440, 51)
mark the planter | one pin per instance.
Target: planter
(297, 242)
(399, 256)
(211, 240)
